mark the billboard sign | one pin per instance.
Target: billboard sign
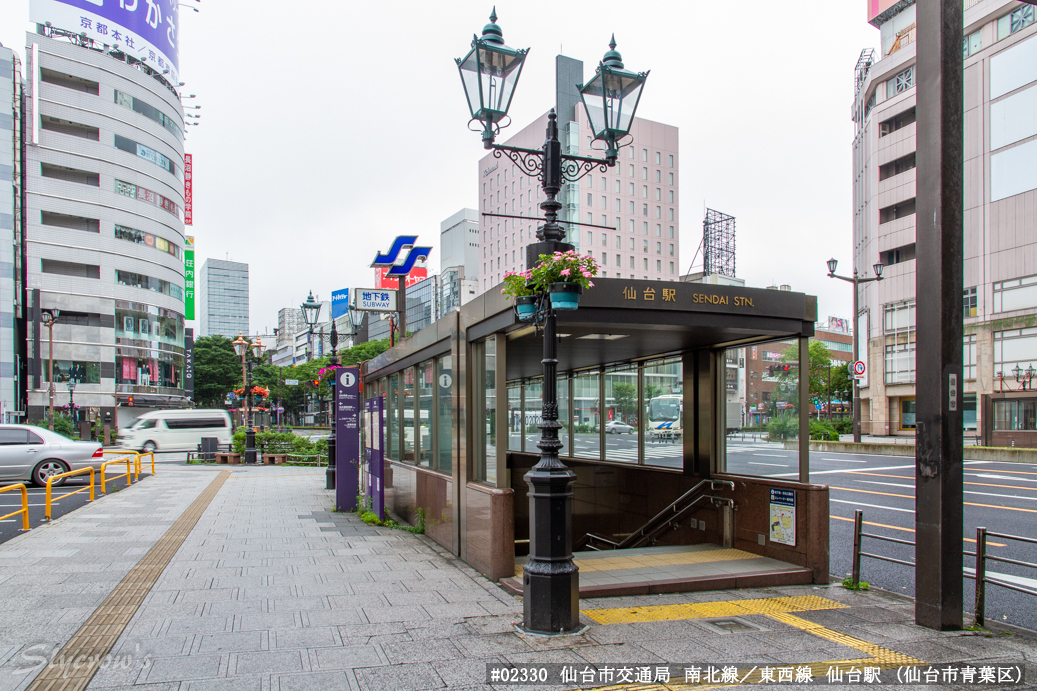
(381, 280)
(347, 437)
(189, 363)
(339, 303)
(146, 29)
(374, 300)
(188, 189)
(877, 7)
(189, 277)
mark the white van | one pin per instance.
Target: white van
(176, 430)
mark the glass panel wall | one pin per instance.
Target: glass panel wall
(484, 407)
(762, 394)
(392, 418)
(425, 393)
(662, 401)
(532, 414)
(564, 417)
(621, 419)
(445, 410)
(585, 440)
(514, 417)
(407, 416)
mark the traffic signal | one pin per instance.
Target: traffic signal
(316, 383)
(784, 368)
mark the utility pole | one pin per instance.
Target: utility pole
(939, 285)
(402, 306)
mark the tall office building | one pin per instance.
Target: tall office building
(422, 309)
(12, 336)
(223, 298)
(629, 216)
(458, 259)
(104, 226)
(1000, 233)
(290, 321)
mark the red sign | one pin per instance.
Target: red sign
(416, 275)
(188, 191)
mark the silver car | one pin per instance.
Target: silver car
(36, 453)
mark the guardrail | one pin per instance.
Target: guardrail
(141, 456)
(137, 456)
(128, 460)
(71, 473)
(24, 511)
(980, 575)
(981, 570)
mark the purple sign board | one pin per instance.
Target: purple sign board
(374, 448)
(347, 437)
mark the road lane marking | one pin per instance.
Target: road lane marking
(772, 455)
(974, 484)
(911, 530)
(776, 465)
(990, 476)
(871, 506)
(887, 484)
(847, 470)
(1015, 472)
(843, 460)
(1001, 496)
(871, 491)
(1004, 508)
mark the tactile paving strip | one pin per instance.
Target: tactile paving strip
(708, 610)
(95, 638)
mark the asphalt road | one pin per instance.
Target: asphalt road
(999, 496)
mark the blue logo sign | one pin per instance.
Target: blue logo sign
(401, 243)
(339, 303)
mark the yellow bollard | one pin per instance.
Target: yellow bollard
(52, 478)
(24, 511)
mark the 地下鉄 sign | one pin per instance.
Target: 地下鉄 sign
(374, 300)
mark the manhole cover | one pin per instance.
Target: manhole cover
(732, 625)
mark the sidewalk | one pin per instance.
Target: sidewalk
(272, 591)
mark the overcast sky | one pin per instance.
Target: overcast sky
(329, 127)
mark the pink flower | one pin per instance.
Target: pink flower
(591, 284)
(565, 272)
(586, 274)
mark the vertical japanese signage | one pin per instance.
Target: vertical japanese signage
(188, 189)
(347, 437)
(189, 278)
(374, 443)
(189, 363)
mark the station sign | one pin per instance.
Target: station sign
(374, 300)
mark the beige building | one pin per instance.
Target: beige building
(1000, 299)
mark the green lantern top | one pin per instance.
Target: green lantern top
(610, 99)
(489, 72)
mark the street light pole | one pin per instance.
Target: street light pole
(856, 280)
(310, 313)
(332, 364)
(50, 317)
(489, 73)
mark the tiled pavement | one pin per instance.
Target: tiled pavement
(273, 591)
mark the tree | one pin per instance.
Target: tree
(217, 370)
(820, 359)
(625, 396)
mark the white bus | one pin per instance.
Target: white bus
(664, 417)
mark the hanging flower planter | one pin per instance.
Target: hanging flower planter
(526, 307)
(565, 296)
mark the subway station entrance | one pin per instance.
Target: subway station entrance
(651, 393)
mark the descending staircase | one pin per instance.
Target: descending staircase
(667, 519)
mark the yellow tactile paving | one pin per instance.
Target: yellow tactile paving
(707, 610)
(779, 609)
(95, 638)
(649, 561)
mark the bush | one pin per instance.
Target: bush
(844, 426)
(62, 425)
(281, 442)
(788, 428)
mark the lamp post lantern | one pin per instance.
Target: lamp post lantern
(50, 317)
(243, 348)
(310, 314)
(856, 280)
(490, 72)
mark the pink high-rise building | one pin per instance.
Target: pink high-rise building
(627, 217)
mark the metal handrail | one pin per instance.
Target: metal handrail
(667, 516)
(128, 459)
(25, 505)
(52, 478)
(980, 554)
(981, 570)
(141, 456)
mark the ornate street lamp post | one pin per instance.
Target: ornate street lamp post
(310, 314)
(333, 362)
(489, 73)
(242, 348)
(50, 318)
(856, 280)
